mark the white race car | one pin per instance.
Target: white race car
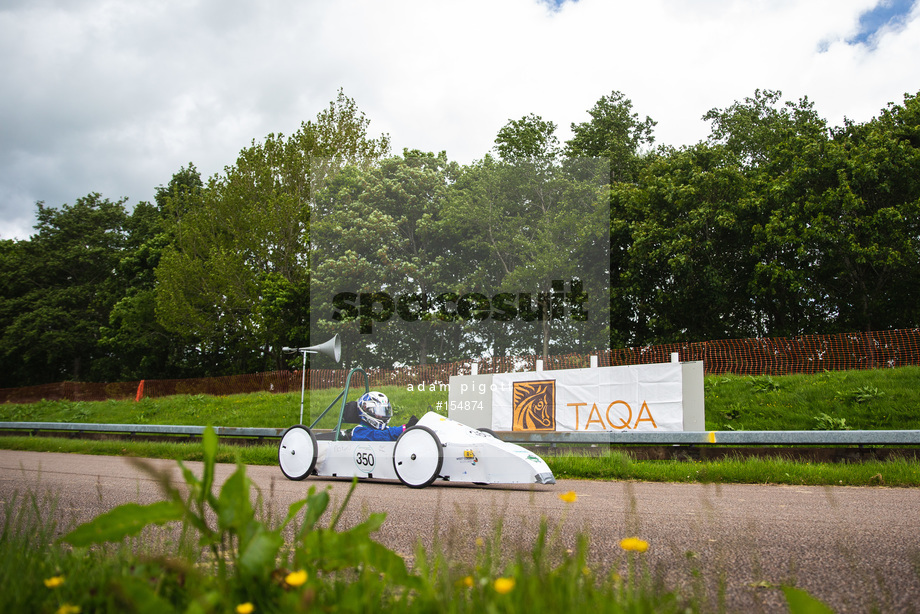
(436, 447)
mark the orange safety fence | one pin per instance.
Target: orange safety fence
(759, 356)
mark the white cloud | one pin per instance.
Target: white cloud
(116, 96)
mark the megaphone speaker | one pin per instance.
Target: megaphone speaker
(331, 348)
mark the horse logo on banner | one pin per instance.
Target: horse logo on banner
(533, 406)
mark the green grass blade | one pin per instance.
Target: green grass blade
(800, 602)
(124, 521)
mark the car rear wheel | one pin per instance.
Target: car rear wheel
(297, 452)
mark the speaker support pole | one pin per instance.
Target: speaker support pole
(332, 348)
(303, 383)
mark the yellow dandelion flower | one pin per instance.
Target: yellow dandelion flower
(296, 578)
(569, 497)
(54, 582)
(480, 542)
(68, 609)
(467, 581)
(503, 586)
(634, 544)
(245, 608)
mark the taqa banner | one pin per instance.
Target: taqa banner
(635, 397)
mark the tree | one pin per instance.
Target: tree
(770, 143)
(863, 222)
(236, 277)
(61, 289)
(686, 265)
(382, 233)
(15, 268)
(538, 224)
(138, 345)
(530, 138)
(762, 133)
(614, 133)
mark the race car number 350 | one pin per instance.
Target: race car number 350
(364, 459)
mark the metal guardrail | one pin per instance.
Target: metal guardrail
(145, 429)
(823, 438)
(762, 438)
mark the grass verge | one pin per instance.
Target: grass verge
(871, 399)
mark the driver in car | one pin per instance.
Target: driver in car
(375, 412)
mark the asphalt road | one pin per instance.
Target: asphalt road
(857, 549)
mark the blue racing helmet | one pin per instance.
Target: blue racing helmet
(375, 409)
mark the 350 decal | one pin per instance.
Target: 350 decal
(364, 459)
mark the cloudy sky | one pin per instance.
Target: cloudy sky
(115, 96)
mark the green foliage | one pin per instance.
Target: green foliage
(733, 412)
(384, 228)
(250, 563)
(867, 401)
(42, 574)
(775, 226)
(800, 602)
(248, 556)
(823, 422)
(137, 346)
(530, 138)
(253, 565)
(758, 130)
(764, 383)
(235, 278)
(58, 290)
(679, 247)
(415, 227)
(124, 521)
(614, 133)
(75, 412)
(865, 394)
(530, 225)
